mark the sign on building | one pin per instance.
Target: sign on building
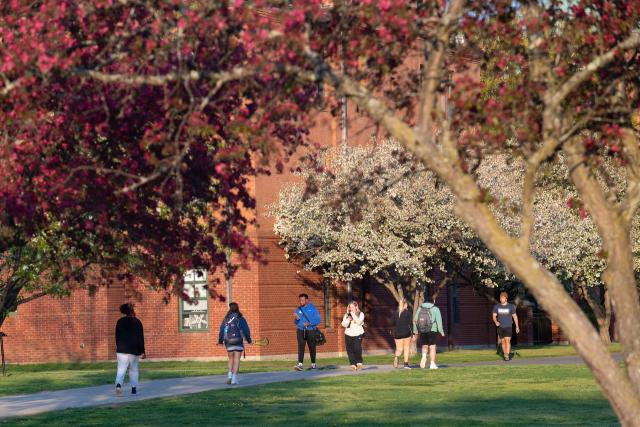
(194, 314)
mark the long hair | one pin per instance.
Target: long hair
(355, 304)
(234, 309)
(402, 305)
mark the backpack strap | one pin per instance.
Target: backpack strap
(305, 316)
(239, 327)
(435, 322)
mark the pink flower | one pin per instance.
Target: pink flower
(46, 63)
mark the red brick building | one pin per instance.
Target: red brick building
(81, 327)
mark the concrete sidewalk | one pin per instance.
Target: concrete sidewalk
(31, 404)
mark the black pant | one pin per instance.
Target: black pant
(308, 337)
(354, 349)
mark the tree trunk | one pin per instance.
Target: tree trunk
(8, 299)
(602, 312)
(443, 160)
(603, 330)
(613, 221)
(616, 386)
(621, 283)
(608, 312)
(391, 287)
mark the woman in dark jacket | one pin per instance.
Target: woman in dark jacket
(402, 332)
(129, 347)
(234, 330)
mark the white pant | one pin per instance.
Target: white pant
(124, 361)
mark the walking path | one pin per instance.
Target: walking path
(31, 404)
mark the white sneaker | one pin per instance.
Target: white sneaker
(234, 380)
(299, 367)
(313, 366)
(433, 366)
(423, 361)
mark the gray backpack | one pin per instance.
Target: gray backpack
(425, 320)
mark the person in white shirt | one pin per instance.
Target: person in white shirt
(353, 322)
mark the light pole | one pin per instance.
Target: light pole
(228, 259)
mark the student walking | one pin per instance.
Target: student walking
(402, 333)
(353, 322)
(504, 315)
(234, 331)
(428, 322)
(306, 318)
(129, 348)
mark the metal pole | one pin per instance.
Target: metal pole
(228, 260)
(228, 279)
(345, 133)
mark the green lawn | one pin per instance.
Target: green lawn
(33, 378)
(496, 395)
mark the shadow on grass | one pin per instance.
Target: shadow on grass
(228, 409)
(523, 396)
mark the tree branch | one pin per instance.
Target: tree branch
(30, 298)
(590, 191)
(631, 201)
(528, 196)
(433, 70)
(557, 96)
(162, 79)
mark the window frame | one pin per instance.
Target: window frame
(205, 297)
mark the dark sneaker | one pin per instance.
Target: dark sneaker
(133, 390)
(119, 390)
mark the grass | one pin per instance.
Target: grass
(485, 396)
(24, 379)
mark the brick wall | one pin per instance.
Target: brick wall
(81, 328)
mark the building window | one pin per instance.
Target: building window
(194, 316)
(327, 302)
(456, 311)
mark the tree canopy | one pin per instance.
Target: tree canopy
(133, 118)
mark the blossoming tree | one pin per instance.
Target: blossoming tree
(402, 232)
(566, 72)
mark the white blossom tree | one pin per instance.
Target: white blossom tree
(398, 227)
(378, 213)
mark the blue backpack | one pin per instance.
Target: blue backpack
(233, 332)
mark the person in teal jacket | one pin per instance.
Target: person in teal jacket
(428, 338)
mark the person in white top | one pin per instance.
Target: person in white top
(353, 322)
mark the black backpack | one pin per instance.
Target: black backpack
(233, 332)
(425, 320)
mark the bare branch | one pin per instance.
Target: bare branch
(556, 97)
(434, 67)
(162, 79)
(602, 212)
(528, 196)
(30, 298)
(9, 86)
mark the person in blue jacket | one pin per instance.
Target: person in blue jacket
(306, 319)
(234, 330)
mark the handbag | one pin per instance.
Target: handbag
(318, 336)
